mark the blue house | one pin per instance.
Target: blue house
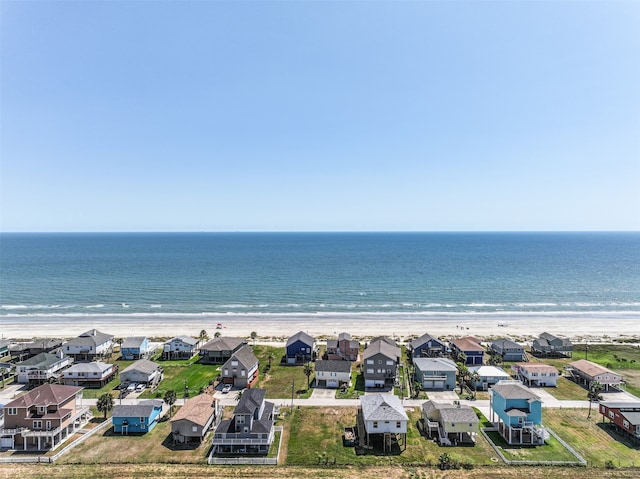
(138, 418)
(301, 348)
(519, 413)
(426, 346)
(435, 373)
(137, 347)
(471, 348)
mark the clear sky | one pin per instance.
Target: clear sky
(314, 116)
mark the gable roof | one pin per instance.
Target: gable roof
(133, 342)
(93, 367)
(301, 336)
(451, 412)
(142, 365)
(93, 337)
(506, 344)
(142, 409)
(514, 391)
(223, 343)
(382, 407)
(589, 368)
(250, 401)
(380, 346)
(185, 339)
(425, 338)
(548, 337)
(488, 371)
(538, 367)
(467, 344)
(197, 410)
(42, 360)
(333, 366)
(45, 395)
(244, 356)
(435, 364)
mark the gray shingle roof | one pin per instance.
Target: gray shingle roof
(382, 407)
(506, 344)
(383, 347)
(133, 342)
(514, 391)
(425, 338)
(301, 336)
(42, 361)
(251, 400)
(143, 365)
(223, 344)
(435, 364)
(333, 366)
(91, 337)
(142, 409)
(93, 367)
(244, 356)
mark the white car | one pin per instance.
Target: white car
(140, 387)
(131, 387)
(226, 388)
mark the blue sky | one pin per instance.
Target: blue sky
(314, 116)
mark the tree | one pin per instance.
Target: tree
(463, 374)
(308, 370)
(105, 404)
(170, 398)
(593, 394)
(475, 377)
(254, 335)
(270, 358)
(217, 334)
(239, 395)
(203, 334)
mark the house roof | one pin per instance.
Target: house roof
(197, 410)
(621, 404)
(386, 339)
(185, 339)
(333, 366)
(488, 371)
(506, 344)
(142, 365)
(261, 426)
(381, 346)
(244, 356)
(251, 400)
(45, 395)
(382, 407)
(42, 360)
(133, 342)
(92, 337)
(93, 367)
(301, 336)
(223, 344)
(514, 391)
(589, 368)
(425, 338)
(467, 344)
(537, 367)
(516, 412)
(142, 409)
(344, 336)
(631, 416)
(450, 412)
(435, 364)
(548, 337)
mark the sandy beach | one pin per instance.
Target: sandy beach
(591, 327)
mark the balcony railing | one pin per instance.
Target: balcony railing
(229, 440)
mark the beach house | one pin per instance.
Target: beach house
(508, 350)
(484, 376)
(586, 373)
(435, 373)
(42, 368)
(241, 369)
(426, 346)
(383, 422)
(142, 371)
(332, 373)
(180, 347)
(89, 375)
(43, 418)
(136, 418)
(469, 347)
(89, 346)
(300, 348)
(449, 423)
(220, 349)
(195, 418)
(625, 415)
(136, 347)
(519, 413)
(536, 374)
(344, 348)
(549, 345)
(251, 429)
(380, 363)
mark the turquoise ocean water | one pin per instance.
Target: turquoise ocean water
(328, 274)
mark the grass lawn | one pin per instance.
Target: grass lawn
(317, 437)
(567, 390)
(279, 378)
(595, 442)
(552, 450)
(196, 375)
(153, 447)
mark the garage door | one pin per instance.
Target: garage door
(6, 442)
(369, 383)
(433, 384)
(332, 383)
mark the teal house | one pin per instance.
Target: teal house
(519, 414)
(136, 418)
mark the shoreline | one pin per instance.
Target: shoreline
(582, 327)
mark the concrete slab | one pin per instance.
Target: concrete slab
(443, 396)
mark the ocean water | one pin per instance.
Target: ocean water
(343, 274)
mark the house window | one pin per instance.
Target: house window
(12, 411)
(194, 429)
(398, 424)
(142, 420)
(226, 372)
(611, 415)
(389, 362)
(240, 420)
(243, 373)
(379, 361)
(625, 424)
(37, 424)
(369, 361)
(375, 424)
(234, 363)
(369, 371)
(388, 371)
(41, 409)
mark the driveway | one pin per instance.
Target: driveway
(444, 396)
(320, 393)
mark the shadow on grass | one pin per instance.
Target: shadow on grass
(615, 433)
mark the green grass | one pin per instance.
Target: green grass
(595, 442)
(177, 373)
(356, 388)
(279, 378)
(566, 389)
(553, 450)
(316, 436)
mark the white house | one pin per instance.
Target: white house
(384, 418)
(487, 376)
(89, 346)
(332, 373)
(142, 371)
(181, 347)
(536, 374)
(42, 368)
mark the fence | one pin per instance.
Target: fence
(272, 461)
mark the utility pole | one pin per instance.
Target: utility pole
(292, 388)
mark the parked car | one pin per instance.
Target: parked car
(140, 387)
(131, 387)
(226, 388)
